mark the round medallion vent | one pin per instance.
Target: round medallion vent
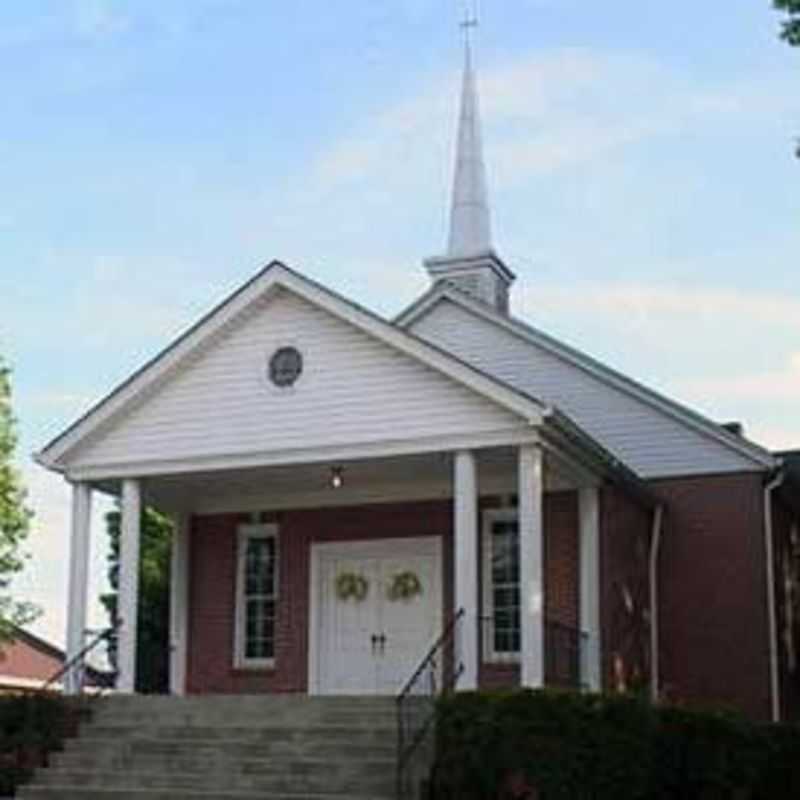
(285, 367)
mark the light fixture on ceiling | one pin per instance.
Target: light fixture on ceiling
(337, 477)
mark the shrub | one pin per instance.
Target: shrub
(31, 727)
(553, 745)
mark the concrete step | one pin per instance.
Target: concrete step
(156, 704)
(101, 753)
(202, 763)
(286, 747)
(81, 793)
(254, 732)
(343, 779)
(366, 717)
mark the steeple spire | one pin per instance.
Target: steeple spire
(470, 223)
(470, 263)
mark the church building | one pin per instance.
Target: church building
(348, 488)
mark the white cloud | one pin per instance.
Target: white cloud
(777, 385)
(99, 19)
(649, 305)
(541, 114)
(776, 437)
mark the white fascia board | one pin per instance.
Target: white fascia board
(525, 433)
(277, 275)
(525, 331)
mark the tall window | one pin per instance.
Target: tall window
(501, 593)
(257, 595)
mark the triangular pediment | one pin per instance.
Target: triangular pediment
(363, 383)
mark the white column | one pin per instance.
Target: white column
(466, 564)
(179, 604)
(531, 564)
(78, 582)
(129, 584)
(589, 590)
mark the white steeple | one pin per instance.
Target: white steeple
(470, 263)
(470, 223)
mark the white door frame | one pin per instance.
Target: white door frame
(375, 548)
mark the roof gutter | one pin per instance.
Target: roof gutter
(769, 552)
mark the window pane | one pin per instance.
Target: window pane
(505, 586)
(259, 598)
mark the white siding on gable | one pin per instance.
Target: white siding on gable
(354, 389)
(648, 440)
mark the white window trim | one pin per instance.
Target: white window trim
(244, 534)
(490, 655)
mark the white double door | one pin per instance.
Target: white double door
(372, 644)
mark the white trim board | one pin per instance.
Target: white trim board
(318, 455)
(697, 422)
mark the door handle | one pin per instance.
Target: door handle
(374, 639)
(382, 642)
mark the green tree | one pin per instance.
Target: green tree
(791, 26)
(790, 30)
(152, 659)
(15, 517)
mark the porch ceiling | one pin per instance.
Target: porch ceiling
(415, 477)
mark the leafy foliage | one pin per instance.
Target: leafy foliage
(15, 517)
(31, 727)
(549, 745)
(152, 661)
(791, 27)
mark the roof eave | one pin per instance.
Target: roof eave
(602, 461)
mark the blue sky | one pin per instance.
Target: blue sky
(154, 154)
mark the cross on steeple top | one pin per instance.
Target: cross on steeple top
(470, 19)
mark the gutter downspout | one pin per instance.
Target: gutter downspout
(769, 550)
(655, 549)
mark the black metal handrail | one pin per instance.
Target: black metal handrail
(436, 674)
(78, 660)
(565, 650)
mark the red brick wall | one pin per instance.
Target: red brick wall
(782, 521)
(21, 660)
(213, 572)
(213, 559)
(713, 617)
(625, 531)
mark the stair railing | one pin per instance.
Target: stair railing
(437, 674)
(78, 662)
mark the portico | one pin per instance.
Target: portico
(445, 497)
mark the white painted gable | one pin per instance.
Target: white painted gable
(354, 389)
(650, 441)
